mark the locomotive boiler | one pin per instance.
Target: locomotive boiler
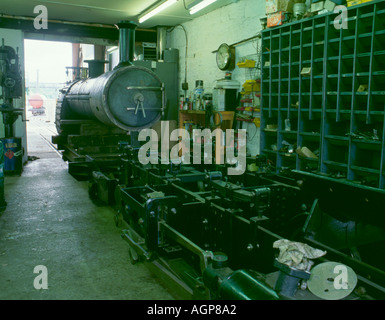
(108, 107)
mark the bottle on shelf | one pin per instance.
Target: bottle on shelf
(186, 104)
(181, 102)
(198, 94)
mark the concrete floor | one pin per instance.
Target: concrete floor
(50, 221)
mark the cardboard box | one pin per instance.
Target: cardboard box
(306, 153)
(251, 86)
(317, 6)
(271, 127)
(276, 19)
(247, 63)
(306, 71)
(362, 88)
(273, 6)
(353, 2)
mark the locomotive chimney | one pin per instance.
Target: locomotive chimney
(126, 43)
(95, 67)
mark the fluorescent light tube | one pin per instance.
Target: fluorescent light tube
(156, 10)
(201, 5)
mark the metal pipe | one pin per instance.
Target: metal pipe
(161, 43)
(126, 43)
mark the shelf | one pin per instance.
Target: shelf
(360, 36)
(310, 134)
(249, 109)
(245, 120)
(309, 159)
(202, 112)
(365, 170)
(270, 131)
(372, 142)
(366, 15)
(344, 75)
(337, 140)
(357, 112)
(289, 132)
(344, 93)
(291, 156)
(341, 111)
(329, 105)
(192, 111)
(380, 32)
(336, 164)
(269, 151)
(312, 110)
(198, 117)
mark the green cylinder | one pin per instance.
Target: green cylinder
(242, 285)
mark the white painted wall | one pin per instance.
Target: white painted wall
(229, 24)
(14, 39)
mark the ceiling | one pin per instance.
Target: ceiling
(106, 11)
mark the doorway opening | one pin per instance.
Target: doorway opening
(45, 74)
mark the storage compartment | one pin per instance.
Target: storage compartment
(329, 96)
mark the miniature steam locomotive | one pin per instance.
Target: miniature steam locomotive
(128, 97)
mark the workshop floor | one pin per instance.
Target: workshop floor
(50, 221)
